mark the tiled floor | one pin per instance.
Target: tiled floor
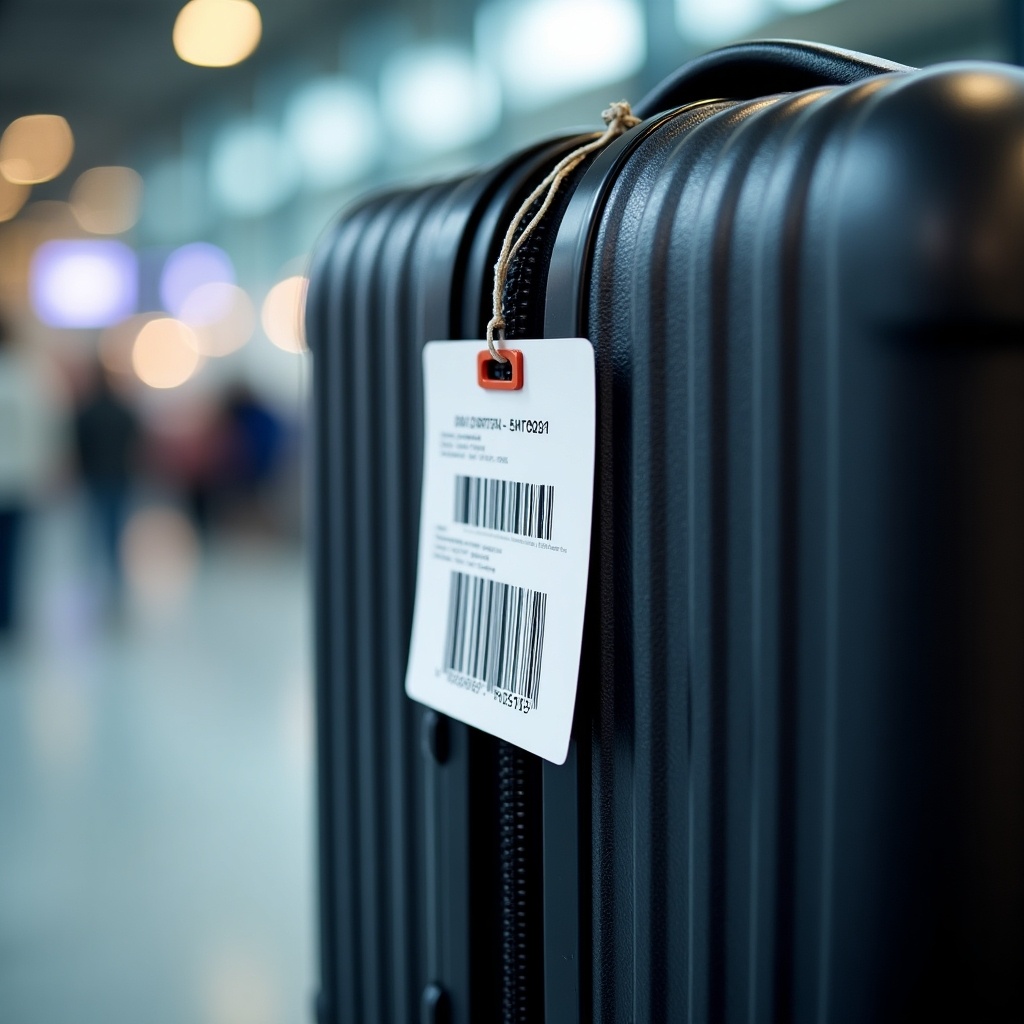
(156, 800)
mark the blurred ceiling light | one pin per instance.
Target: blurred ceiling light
(35, 148)
(105, 200)
(562, 47)
(252, 170)
(217, 33)
(189, 268)
(221, 316)
(435, 97)
(283, 314)
(797, 6)
(712, 21)
(83, 283)
(165, 353)
(174, 199)
(12, 198)
(332, 125)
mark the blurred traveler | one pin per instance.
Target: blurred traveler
(189, 452)
(256, 436)
(26, 458)
(245, 443)
(107, 438)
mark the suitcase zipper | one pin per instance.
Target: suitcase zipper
(523, 318)
(520, 981)
(523, 301)
(519, 773)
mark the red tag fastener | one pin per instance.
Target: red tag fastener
(498, 376)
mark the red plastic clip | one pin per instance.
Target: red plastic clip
(498, 376)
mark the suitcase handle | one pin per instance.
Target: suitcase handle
(748, 70)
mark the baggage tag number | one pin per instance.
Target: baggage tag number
(504, 544)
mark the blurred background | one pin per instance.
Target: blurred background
(165, 171)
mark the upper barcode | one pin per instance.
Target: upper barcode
(506, 505)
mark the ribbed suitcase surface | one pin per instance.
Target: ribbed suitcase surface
(796, 786)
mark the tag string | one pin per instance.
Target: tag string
(619, 118)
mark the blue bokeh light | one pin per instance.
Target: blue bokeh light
(189, 268)
(84, 283)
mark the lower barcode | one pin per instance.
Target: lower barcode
(496, 634)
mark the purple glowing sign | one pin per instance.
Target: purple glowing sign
(189, 268)
(84, 282)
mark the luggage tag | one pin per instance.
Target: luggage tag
(508, 487)
(504, 546)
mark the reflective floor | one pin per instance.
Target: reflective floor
(156, 795)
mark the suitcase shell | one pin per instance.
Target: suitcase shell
(796, 786)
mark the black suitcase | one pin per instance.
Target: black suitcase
(796, 786)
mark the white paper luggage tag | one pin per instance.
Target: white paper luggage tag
(504, 549)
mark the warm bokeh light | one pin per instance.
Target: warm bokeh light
(17, 243)
(12, 198)
(35, 148)
(165, 353)
(116, 343)
(221, 316)
(160, 555)
(82, 283)
(20, 238)
(106, 200)
(217, 33)
(51, 218)
(283, 312)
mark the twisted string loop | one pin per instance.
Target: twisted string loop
(618, 118)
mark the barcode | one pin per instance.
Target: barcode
(496, 634)
(505, 505)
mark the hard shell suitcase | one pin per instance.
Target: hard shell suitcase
(796, 786)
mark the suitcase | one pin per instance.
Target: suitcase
(795, 790)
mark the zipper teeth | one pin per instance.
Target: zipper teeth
(515, 890)
(515, 826)
(517, 302)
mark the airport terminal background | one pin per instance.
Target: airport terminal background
(156, 761)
